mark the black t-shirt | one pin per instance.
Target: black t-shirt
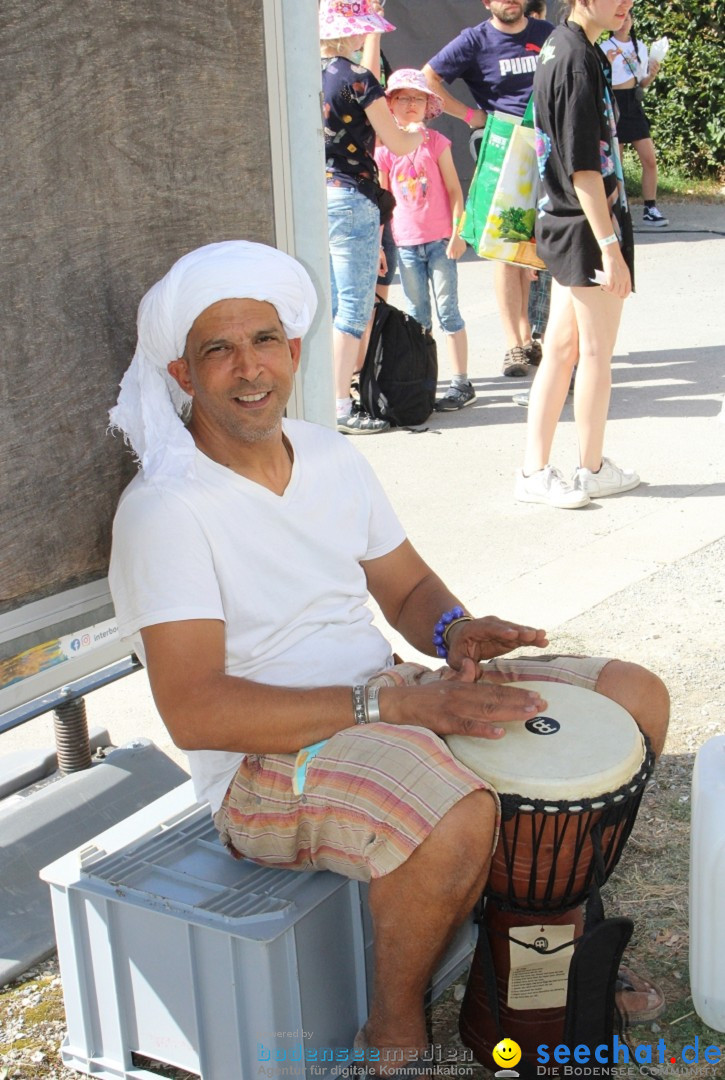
(347, 90)
(576, 131)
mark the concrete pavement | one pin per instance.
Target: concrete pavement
(452, 484)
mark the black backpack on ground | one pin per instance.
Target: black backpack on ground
(400, 372)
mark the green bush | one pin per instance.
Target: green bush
(686, 102)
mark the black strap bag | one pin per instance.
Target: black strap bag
(400, 372)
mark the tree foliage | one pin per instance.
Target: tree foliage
(686, 102)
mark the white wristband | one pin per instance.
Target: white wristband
(607, 240)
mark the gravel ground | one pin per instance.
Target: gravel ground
(672, 622)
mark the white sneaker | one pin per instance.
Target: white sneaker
(548, 486)
(610, 480)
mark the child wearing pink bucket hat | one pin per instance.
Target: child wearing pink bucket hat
(428, 206)
(412, 79)
(354, 113)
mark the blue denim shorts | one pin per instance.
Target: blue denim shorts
(428, 263)
(354, 231)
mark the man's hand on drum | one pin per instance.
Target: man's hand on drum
(466, 703)
(483, 639)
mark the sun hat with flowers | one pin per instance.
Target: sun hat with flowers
(348, 18)
(412, 79)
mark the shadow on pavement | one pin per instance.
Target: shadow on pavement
(684, 395)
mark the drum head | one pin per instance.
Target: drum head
(581, 746)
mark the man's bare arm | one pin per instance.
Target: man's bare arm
(412, 598)
(204, 708)
(451, 105)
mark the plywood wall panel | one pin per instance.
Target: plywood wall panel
(132, 132)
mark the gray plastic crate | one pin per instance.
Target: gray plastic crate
(172, 950)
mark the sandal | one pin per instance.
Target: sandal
(408, 1071)
(638, 1000)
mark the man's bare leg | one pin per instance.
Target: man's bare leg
(415, 911)
(511, 285)
(642, 694)
(645, 697)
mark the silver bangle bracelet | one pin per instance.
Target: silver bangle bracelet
(372, 704)
(359, 704)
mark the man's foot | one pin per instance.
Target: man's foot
(533, 353)
(638, 1000)
(610, 480)
(457, 396)
(653, 218)
(515, 362)
(361, 423)
(549, 487)
(373, 1064)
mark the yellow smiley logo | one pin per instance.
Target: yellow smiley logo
(506, 1053)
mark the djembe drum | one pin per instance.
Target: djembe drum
(570, 783)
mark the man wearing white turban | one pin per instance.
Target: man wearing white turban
(243, 556)
(151, 397)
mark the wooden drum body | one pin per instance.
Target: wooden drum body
(570, 783)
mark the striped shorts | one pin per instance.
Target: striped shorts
(372, 794)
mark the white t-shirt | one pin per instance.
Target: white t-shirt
(282, 572)
(621, 71)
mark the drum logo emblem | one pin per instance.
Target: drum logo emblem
(542, 725)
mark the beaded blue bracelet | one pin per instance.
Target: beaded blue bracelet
(447, 619)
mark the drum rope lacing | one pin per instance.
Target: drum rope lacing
(560, 834)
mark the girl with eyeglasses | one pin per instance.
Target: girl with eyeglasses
(428, 206)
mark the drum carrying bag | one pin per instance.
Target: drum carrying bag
(498, 220)
(590, 998)
(400, 371)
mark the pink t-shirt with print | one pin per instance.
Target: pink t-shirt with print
(423, 211)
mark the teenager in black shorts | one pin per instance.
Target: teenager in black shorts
(632, 72)
(584, 235)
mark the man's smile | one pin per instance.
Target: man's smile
(253, 398)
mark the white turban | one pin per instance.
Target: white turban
(151, 401)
